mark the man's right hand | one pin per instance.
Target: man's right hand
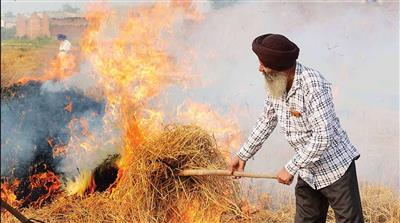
(237, 164)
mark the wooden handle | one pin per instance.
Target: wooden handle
(207, 172)
(15, 212)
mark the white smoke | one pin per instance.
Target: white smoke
(354, 45)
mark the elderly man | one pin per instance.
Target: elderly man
(300, 100)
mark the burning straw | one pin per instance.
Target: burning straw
(151, 177)
(148, 189)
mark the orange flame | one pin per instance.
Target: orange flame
(8, 192)
(132, 69)
(225, 128)
(92, 186)
(47, 181)
(68, 107)
(61, 67)
(194, 214)
(57, 149)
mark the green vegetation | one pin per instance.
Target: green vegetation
(7, 33)
(25, 58)
(28, 43)
(69, 8)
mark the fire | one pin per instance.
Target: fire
(63, 66)
(8, 192)
(95, 15)
(189, 7)
(47, 181)
(60, 68)
(68, 107)
(225, 128)
(195, 214)
(132, 68)
(81, 184)
(57, 149)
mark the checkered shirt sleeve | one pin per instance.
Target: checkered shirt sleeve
(321, 117)
(263, 128)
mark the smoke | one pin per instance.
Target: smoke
(354, 45)
(34, 120)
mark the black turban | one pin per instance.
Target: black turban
(61, 37)
(275, 51)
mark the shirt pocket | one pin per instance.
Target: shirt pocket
(297, 117)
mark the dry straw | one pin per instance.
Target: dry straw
(149, 189)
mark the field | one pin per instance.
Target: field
(29, 58)
(21, 58)
(380, 204)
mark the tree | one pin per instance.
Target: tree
(216, 4)
(7, 33)
(69, 8)
(9, 14)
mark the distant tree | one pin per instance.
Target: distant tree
(69, 8)
(7, 33)
(221, 4)
(9, 14)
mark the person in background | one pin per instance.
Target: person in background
(65, 45)
(65, 61)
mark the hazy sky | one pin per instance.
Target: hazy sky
(17, 6)
(28, 6)
(31, 6)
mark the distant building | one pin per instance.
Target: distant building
(37, 25)
(49, 24)
(72, 26)
(20, 26)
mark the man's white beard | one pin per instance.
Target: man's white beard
(276, 84)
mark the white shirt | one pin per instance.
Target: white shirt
(65, 46)
(306, 115)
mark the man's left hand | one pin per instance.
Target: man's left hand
(284, 177)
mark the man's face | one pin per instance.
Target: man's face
(276, 81)
(264, 70)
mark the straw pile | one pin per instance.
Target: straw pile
(159, 195)
(149, 190)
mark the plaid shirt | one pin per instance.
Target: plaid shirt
(306, 115)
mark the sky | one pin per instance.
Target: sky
(32, 6)
(29, 6)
